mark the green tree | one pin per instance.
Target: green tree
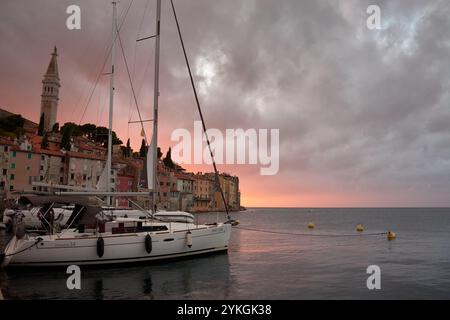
(12, 126)
(124, 151)
(159, 153)
(67, 132)
(41, 125)
(168, 162)
(129, 151)
(74, 128)
(55, 128)
(143, 149)
(11, 123)
(88, 130)
(115, 139)
(44, 143)
(101, 136)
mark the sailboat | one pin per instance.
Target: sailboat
(92, 237)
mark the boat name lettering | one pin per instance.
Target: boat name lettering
(70, 244)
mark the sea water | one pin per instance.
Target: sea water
(284, 260)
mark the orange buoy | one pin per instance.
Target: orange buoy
(360, 228)
(311, 225)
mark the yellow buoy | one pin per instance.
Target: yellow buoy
(360, 228)
(311, 225)
(391, 235)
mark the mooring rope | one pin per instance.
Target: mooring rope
(313, 235)
(17, 252)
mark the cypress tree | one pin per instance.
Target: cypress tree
(41, 125)
(44, 143)
(128, 150)
(143, 150)
(168, 160)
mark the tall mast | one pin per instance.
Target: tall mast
(155, 104)
(111, 101)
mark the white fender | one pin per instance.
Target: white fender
(189, 239)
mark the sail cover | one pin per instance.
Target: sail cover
(102, 183)
(150, 165)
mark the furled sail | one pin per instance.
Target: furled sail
(147, 174)
(151, 165)
(102, 183)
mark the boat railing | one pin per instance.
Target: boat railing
(68, 227)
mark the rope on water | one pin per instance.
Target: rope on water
(313, 235)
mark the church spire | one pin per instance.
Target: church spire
(50, 92)
(52, 69)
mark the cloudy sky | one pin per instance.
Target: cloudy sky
(364, 115)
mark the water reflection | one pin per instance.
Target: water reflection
(274, 266)
(148, 290)
(98, 290)
(186, 279)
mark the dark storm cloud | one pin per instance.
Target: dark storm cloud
(359, 111)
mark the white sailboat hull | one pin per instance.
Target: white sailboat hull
(118, 249)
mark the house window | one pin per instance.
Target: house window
(161, 183)
(28, 148)
(11, 187)
(42, 167)
(30, 179)
(6, 148)
(41, 178)
(84, 177)
(29, 156)
(61, 179)
(13, 165)
(42, 158)
(12, 177)
(5, 172)
(28, 168)
(14, 154)
(72, 176)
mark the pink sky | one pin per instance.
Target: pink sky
(363, 115)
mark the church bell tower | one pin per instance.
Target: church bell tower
(50, 93)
